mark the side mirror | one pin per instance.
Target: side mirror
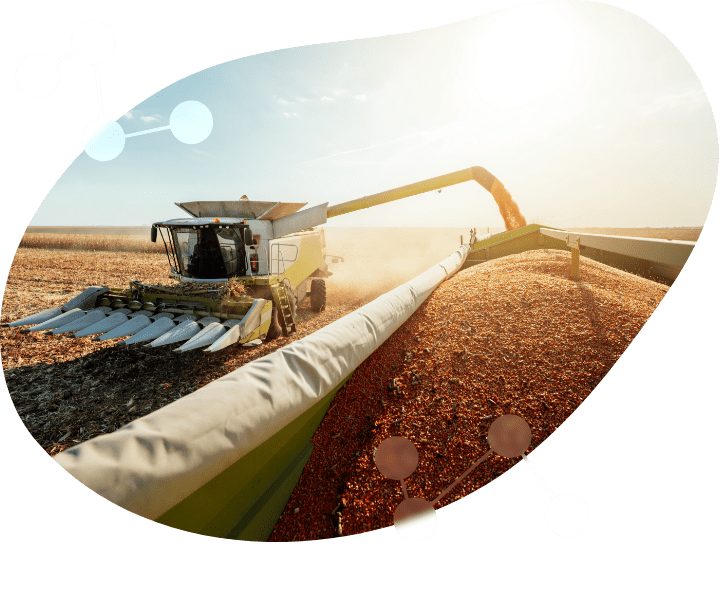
(153, 234)
(248, 237)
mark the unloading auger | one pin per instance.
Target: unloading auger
(241, 268)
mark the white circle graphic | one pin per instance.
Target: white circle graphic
(191, 122)
(415, 519)
(103, 139)
(37, 75)
(93, 42)
(567, 514)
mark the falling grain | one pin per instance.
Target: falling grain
(509, 210)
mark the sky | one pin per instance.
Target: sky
(587, 113)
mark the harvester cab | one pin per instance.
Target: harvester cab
(247, 251)
(223, 240)
(205, 250)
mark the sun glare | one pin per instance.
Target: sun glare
(525, 55)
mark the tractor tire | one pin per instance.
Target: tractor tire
(318, 295)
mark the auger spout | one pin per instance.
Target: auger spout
(480, 175)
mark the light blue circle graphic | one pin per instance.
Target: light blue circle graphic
(191, 122)
(104, 141)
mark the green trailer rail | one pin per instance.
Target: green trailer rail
(656, 259)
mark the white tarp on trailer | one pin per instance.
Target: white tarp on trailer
(153, 463)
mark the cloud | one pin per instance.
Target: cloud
(149, 118)
(454, 132)
(340, 91)
(282, 101)
(290, 114)
(361, 97)
(128, 115)
(301, 99)
(690, 100)
(326, 98)
(423, 135)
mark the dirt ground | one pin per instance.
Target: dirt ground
(69, 390)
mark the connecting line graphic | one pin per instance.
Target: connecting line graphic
(147, 131)
(99, 90)
(65, 56)
(508, 436)
(104, 139)
(397, 458)
(459, 479)
(538, 476)
(451, 486)
(99, 94)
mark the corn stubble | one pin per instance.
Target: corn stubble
(513, 335)
(94, 242)
(69, 390)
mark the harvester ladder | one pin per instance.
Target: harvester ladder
(285, 315)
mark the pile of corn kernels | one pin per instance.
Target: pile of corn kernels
(512, 335)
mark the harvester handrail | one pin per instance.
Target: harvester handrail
(480, 175)
(172, 263)
(279, 257)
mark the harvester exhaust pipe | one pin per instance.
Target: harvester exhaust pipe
(508, 208)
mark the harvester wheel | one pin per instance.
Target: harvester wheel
(318, 295)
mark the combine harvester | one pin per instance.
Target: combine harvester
(241, 266)
(240, 275)
(223, 460)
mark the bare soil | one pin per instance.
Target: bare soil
(69, 390)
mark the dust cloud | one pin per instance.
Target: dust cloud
(376, 260)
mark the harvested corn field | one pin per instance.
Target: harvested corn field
(69, 390)
(514, 335)
(91, 242)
